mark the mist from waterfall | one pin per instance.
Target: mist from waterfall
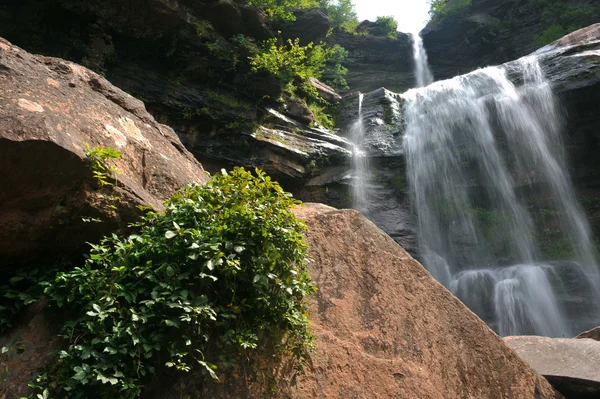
(360, 163)
(479, 150)
(423, 75)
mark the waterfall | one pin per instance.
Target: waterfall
(423, 74)
(360, 165)
(480, 152)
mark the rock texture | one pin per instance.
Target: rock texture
(50, 110)
(493, 32)
(384, 329)
(594, 334)
(374, 61)
(571, 365)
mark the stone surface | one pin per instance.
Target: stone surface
(594, 334)
(384, 329)
(50, 110)
(374, 62)
(571, 365)
(325, 91)
(311, 25)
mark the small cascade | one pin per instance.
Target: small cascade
(423, 74)
(360, 162)
(479, 151)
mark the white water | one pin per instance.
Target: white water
(360, 163)
(423, 75)
(475, 144)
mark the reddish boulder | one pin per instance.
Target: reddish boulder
(50, 110)
(384, 328)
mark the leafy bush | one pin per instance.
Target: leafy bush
(551, 34)
(223, 267)
(342, 14)
(282, 9)
(562, 17)
(386, 26)
(444, 10)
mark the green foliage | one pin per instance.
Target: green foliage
(21, 290)
(386, 26)
(195, 287)
(562, 17)
(335, 70)
(321, 115)
(293, 64)
(442, 11)
(342, 14)
(101, 163)
(282, 9)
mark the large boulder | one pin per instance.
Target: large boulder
(50, 110)
(571, 365)
(384, 328)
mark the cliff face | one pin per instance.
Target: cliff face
(375, 62)
(492, 32)
(187, 61)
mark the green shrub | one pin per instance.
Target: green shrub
(294, 64)
(222, 268)
(562, 17)
(551, 34)
(386, 26)
(282, 9)
(444, 10)
(342, 14)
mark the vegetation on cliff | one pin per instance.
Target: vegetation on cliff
(223, 269)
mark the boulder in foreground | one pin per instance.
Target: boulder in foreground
(384, 328)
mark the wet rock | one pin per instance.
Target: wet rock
(50, 110)
(571, 365)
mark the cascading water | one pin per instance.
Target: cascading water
(360, 167)
(423, 74)
(479, 151)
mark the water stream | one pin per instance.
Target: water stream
(423, 75)
(482, 153)
(360, 162)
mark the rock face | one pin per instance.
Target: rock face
(188, 61)
(385, 329)
(50, 110)
(571, 365)
(496, 31)
(374, 61)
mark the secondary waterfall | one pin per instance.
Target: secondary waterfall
(360, 164)
(423, 75)
(482, 153)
